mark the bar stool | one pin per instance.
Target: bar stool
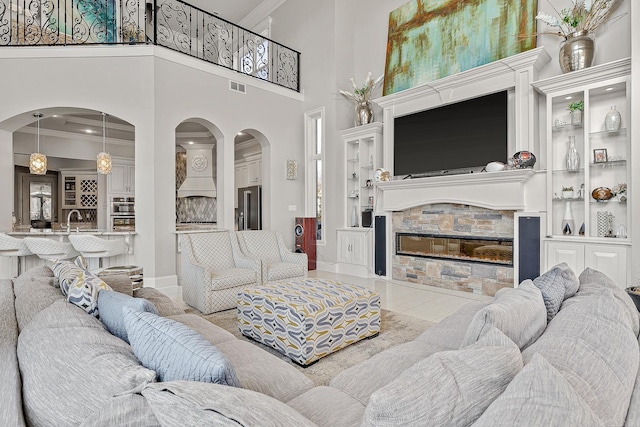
(50, 249)
(14, 247)
(91, 246)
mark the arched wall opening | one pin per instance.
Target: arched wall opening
(252, 173)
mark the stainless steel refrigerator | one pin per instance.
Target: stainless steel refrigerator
(250, 208)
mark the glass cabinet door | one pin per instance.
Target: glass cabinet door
(588, 154)
(608, 152)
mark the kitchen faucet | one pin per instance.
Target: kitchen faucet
(69, 218)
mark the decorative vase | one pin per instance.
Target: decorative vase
(572, 162)
(363, 113)
(612, 120)
(567, 220)
(354, 217)
(576, 117)
(576, 52)
(605, 223)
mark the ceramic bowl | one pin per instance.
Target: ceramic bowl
(602, 194)
(494, 167)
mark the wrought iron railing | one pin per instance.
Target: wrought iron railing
(173, 24)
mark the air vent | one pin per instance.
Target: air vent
(237, 87)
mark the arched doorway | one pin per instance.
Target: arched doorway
(196, 174)
(251, 180)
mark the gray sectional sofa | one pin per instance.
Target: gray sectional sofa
(555, 351)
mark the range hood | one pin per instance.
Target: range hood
(199, 181)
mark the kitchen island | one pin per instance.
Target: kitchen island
(9, 267)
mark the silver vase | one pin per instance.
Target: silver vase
(576, 52)
(363, 113)
(612, 120)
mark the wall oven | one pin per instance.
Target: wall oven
(123, 214)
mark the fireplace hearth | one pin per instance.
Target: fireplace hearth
(485, 250)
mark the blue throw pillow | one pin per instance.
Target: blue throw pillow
(175, 351)
(110, 304)
(556, 285)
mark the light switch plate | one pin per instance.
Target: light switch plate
(293, 208)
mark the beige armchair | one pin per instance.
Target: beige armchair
(214, 270)
(278, 262)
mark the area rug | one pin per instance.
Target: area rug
(395, 329)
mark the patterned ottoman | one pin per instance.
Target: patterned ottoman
(307, 319)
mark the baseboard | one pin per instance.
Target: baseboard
(326, 266)
(168, 285)
(353, 270)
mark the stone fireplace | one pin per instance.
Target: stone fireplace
(454, 246)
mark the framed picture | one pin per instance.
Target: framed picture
(600, 155)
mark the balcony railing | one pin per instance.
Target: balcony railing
(173, 24)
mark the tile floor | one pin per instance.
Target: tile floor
(424, 302)
(421, 301)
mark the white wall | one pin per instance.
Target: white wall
(321, 30)
(155, 90)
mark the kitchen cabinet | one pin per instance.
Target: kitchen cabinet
(240, 180)
(248, 172)
(79, 190)
(254, 172)
(122, 179)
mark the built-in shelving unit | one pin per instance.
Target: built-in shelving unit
(584, 229)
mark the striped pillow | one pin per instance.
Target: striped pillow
(66, 272)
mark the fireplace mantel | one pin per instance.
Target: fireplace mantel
(503, 190)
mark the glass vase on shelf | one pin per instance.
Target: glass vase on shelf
(572, 163)
(612, 120)
(354, 217)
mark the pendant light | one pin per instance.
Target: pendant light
(104, 158)
(38, 161)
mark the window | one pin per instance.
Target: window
(314, 138)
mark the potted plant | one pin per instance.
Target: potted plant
(361, 95)
(567, 192)
(577, 25)
(576, 109)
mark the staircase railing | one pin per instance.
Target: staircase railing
(173, 24)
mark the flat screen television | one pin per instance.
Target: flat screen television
(456, 138)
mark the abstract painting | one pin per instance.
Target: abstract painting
(431, 39)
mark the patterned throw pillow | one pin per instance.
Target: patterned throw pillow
(84, 290)
(67, 271)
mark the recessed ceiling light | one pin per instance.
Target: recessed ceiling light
(608, 89)
(569, 97)
(240, 133)
(88, 130)
(190, 142)
(55, 115)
